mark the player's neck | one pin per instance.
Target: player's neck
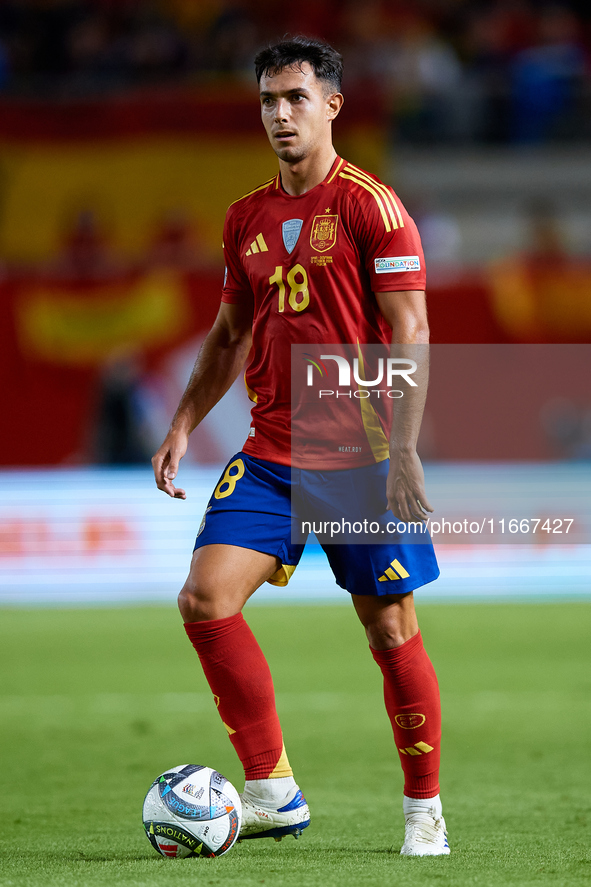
(297, 178)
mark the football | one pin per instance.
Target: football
(192, 811)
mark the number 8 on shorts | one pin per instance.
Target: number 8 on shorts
(229, 479)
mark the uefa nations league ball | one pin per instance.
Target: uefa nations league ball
(192, 811)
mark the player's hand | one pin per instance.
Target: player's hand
(405, 488)
(166, 462)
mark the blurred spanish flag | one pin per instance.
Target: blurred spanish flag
(110, 240)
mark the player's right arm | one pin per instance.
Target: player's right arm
(221, 358)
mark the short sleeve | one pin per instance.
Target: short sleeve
(236, 284)
(390, 244)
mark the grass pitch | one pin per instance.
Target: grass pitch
(96, 703)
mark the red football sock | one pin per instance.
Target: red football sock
(240, 680)
(411, 693)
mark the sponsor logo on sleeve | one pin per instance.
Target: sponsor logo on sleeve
(394, 264)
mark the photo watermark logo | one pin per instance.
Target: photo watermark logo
(352, 376)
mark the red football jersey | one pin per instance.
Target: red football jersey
(312, 263)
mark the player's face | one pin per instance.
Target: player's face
(296, 112)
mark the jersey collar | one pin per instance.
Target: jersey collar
(337, 165)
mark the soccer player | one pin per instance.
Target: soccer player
(321, 253)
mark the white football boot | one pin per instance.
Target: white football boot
(263, 820)
(424, 832)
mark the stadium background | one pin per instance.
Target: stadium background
(126, 128)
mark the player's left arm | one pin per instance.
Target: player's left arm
(406, 313)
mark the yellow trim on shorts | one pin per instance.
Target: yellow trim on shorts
(282, 575)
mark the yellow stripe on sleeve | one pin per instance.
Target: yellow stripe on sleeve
(398, 213)
(385, 191)
(339, 165)
(375, 194)
(254, 191)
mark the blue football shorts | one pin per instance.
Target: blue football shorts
(273, 508)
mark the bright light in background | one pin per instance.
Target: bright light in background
(103, 536)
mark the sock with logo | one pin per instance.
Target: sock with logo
(411, 694)
(239, 678)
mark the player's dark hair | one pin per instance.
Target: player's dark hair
(325, 61)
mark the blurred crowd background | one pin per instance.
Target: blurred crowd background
(128, 126)
(502, 71)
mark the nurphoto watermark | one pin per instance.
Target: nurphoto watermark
(485, 405)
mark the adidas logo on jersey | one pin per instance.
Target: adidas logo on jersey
(257, 246)
(394, 571)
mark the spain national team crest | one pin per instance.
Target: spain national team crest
(324, 232)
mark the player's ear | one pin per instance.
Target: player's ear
(334, 103)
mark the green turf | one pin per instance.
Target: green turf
(96, 703)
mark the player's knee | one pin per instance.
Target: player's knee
(385, 635)
(202, 598)
(196, 602)
(387, 626)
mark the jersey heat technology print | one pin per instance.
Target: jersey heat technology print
(310, 265)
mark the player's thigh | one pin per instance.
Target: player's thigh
(246, 534)
(221, 580)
